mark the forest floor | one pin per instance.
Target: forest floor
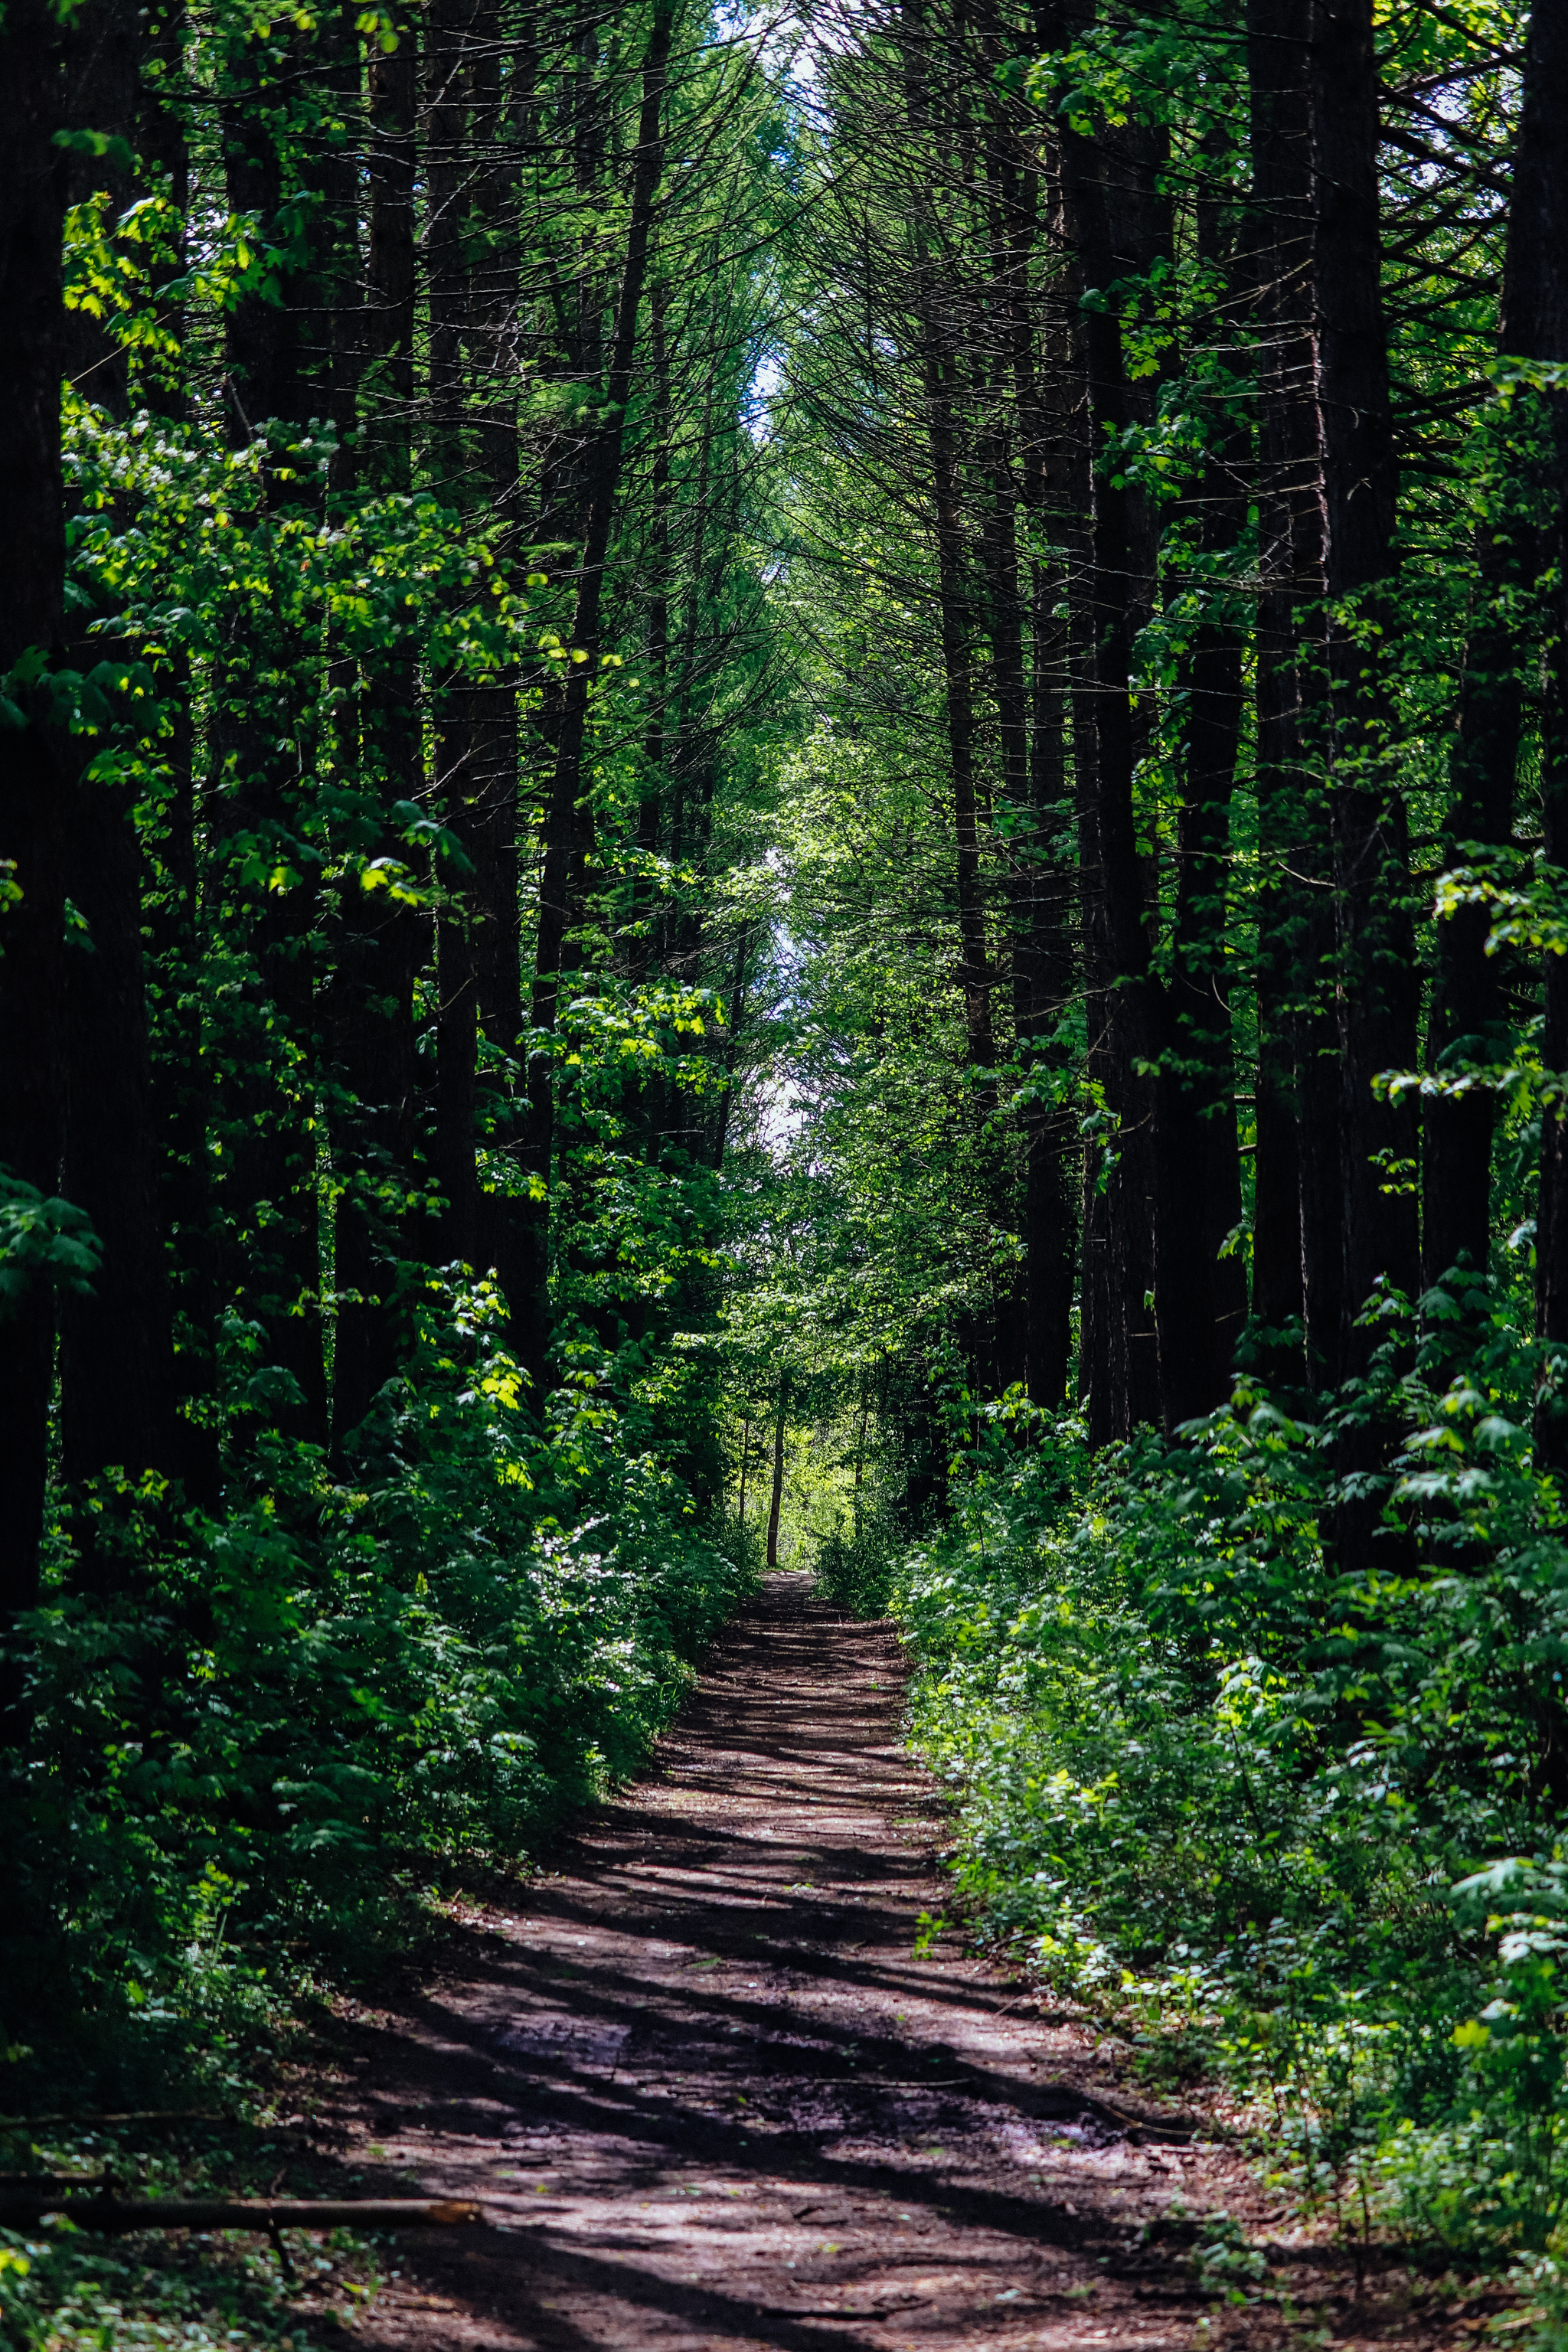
(717, 2090)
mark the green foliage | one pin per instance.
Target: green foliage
(276, 1722)
(41, 1241)
(80, 2292)
(1239, 1799)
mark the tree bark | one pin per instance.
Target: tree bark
(449, 54)
(568, 821)
(271, 1185)
(1130, 1012)
(34, 762)
(1279, 34)
(116, 1371)
(383, 942)
(498, 114)
(776, 1501)
(1467, 1010)
(117, 1377)
(1200, 1298)
(1377, 972)
(1539, 289)
(181, 1084)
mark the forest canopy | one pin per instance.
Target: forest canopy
(795, 785)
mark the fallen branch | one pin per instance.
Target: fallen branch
(1174, 2131)
(125, 2115)
(267, 2213)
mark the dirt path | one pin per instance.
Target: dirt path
(713, 2099)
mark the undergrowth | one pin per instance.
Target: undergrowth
(70, 2289)
(253, 1736)
(1286, 1821)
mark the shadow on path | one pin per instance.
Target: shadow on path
(712, 2098)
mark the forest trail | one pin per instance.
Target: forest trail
(712, 2098)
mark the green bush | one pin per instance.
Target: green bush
(1252, 1801)
(248, 1749)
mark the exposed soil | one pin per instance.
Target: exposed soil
(712, 2097)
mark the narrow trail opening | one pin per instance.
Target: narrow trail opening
(713, 2096)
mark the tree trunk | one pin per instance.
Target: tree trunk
(1539, 295)
(1050, 1212)
(499, 111)
(568, 821)
(35, 760)
(1129, 1016)
(181, 1086)
(271, 1185)
(1279, 32)
(101, 58)
(382, 943)
(776, 1502)
(117, 1380)
(1297, 1252)
(941, 382)
(1378, 975)
(116, 1371)
(451, 49)
(1468, 1010)
(1200, 1298)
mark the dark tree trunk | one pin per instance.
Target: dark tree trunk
(35, 763)
(1378, 976)
(181, 1110)
(655, 661)
(117, 1372)
(1199, 1316)
(181, 1091)
(261, 336)
(1043, 963)
(1051, 1208)
(1539, 288)
(1200, 1296)
(1466, 996)
(383, 943)
(974, 974)
(775, 1503)
(947, 396)
(117, 1383)
(102, 54)
(1281, 273)
(1467, 1011)
(504, 1217)
(1127, 1010)
(1102, 1324)
(449, 63)
(1298, 1254)
(1278, 37)
(1030, 729)
(271, 1186)
(1318, 1087)
(569, 820)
